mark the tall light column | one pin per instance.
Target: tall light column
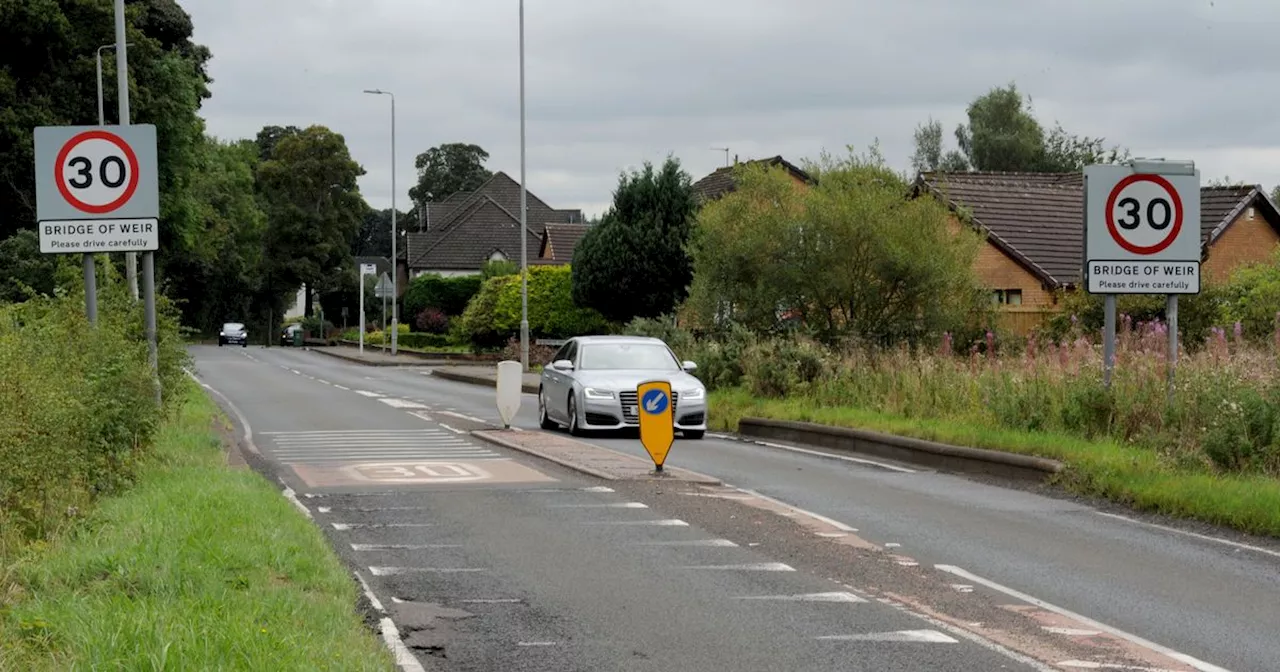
(524, 217)
(395, 233)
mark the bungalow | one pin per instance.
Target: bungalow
(721, 182)
(1034, 226)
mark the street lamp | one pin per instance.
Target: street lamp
(130, 258)
(395, 264)
(524, 223)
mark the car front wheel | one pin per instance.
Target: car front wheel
(574, 429)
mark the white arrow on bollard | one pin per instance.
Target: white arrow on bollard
(510, 379)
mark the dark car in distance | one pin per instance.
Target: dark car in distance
(233, 333)
(289, 333)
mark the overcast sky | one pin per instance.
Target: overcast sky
(612, 83)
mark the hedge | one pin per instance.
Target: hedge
(494, 313)
(448, 295)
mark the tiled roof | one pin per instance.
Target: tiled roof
(721, 182)
(1037, 218)
(467, 227)
(562, 239)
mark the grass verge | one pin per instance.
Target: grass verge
(1125, 474)
(198, 566)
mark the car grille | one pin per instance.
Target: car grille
(601, 419)
(628, 400)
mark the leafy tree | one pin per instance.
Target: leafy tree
(448, 169)
(1275, 194)
(634, 264)
(314, 209)
(270, 136)
(24, 271)
(848, 258)
(374, 237)
(493, 315)
(1003, 134)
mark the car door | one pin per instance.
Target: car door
(564, 381)
(553, 383)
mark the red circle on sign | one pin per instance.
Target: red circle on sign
(61, 162)
(1173, 198)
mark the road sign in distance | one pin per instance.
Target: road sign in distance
(368, 269)
(656, 416)
(1142, 231)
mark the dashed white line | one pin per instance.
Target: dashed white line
(670, 522)
(840, 596)
(748, 567)
(608, 505)
(395, 571)
(400, 547)
(816, 516)
(1203, 537)
(354, 526)
(535, 644)
(455, 430)
(367, 393)
(401, 403)
(342, 387)
(1071, 632)
(463, 416)
(1178, 656)
(819, 453)
(492, 600)
(690, 542)
(926, 636)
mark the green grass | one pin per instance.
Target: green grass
(1126, 474)
(198, 566)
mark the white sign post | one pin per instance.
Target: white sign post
(97, 190)
(510, 377)
(1142, 236)
(365, 269)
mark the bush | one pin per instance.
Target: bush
(77, 409)
(448, 295)
(493, 315)
(420, 341)
(432, 321)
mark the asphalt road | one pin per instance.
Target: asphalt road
(1205, 598)
(488, 559)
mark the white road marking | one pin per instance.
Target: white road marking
(455, 430)
(401, 403)
(598, 488)
(816, 516)
(833, 535)
(609, 505)
(400, 547)
(368, 592)
(244, 422)
(367, 393)
(346, 431)
(819, 453)
(844, 597)
(908, 563)
(492, 600)
(1203, 537)
(404, 658)
(353, 526)
(927, 636)
(893, 544)
(1071, 632)
(295, 371)
(464, 416)
(293, 497)
(962, 587)
(671, 522)
(535, 643)
(1090, 665)
(323, 381)
(1180, 657)
(748, 567)
(342, 387)
(690, 542)
(395, 571)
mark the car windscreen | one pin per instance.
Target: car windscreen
(233, 326)
(647, 356)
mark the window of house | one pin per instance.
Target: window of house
(1007, 297)
(497, 256)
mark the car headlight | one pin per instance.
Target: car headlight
(593, 393)
(695, 393)
(222, 333)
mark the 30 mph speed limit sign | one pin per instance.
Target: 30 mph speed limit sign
(1142, 229)
(97, 189)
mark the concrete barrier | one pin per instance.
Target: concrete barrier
(940, 456)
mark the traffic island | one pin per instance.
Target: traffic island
(588, 459)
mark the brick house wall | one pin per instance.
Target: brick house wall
(1249, 239)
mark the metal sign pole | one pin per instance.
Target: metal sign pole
(1171, 313)
(362, 310)
(1108, 339)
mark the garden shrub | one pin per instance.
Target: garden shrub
(432, 321)
(493, 315)
(448, 295)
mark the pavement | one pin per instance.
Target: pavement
(488, 557)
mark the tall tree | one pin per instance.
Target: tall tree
(1002, 134)
(314, 209)
(447, 169)
(269, 136)
(374, 237)
(633, 263)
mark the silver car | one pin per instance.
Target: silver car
(591, 385)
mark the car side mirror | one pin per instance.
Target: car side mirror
(689, 366)
(562, 365)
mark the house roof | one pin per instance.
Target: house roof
(562, 239)
(720, 182)
(1038, 218)
(467, 227)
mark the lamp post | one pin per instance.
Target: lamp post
(395, 265)
(130, 258)
(524, 224)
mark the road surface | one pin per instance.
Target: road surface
(1202, 601)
